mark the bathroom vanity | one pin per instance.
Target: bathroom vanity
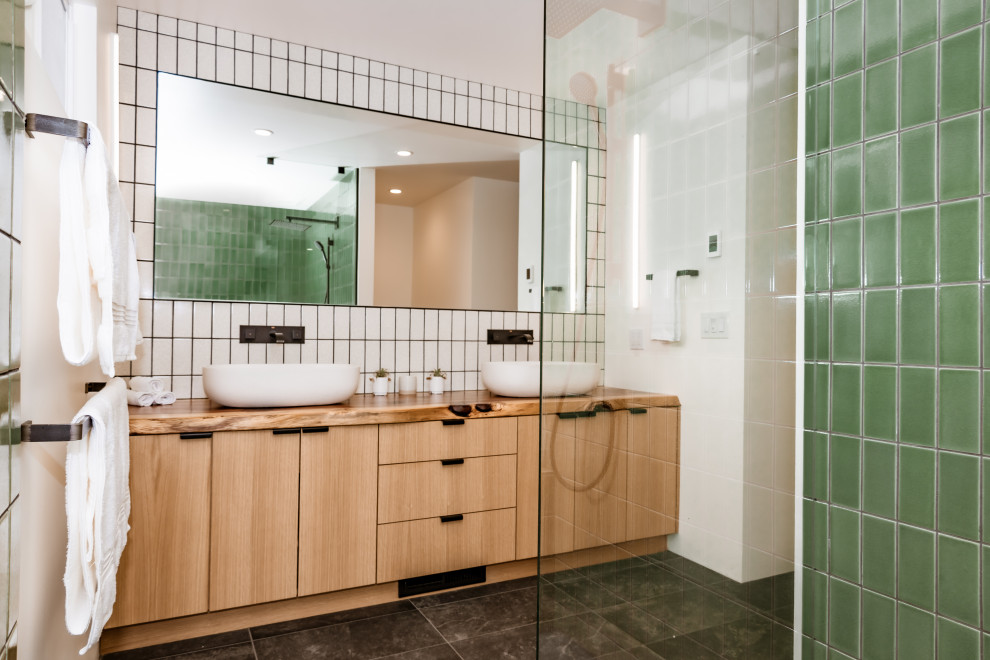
(249, 516)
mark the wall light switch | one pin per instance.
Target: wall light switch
(714, 244)
(637, 338)
(715, 325)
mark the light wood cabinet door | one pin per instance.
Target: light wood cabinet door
(337, 513)
(453, 438)
(164, 571)
(255, 518)
(528, 488)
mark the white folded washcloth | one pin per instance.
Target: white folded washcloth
(140, 398)
(147, 384)
(164, 399)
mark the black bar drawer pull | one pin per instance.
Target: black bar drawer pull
(452, 422)
(316, 429)
(637, 411)
(452, 461)
(284, 431)
(195, 436)
(454, 518)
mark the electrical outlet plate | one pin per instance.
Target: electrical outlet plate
(637, 339)
(715, 325)
(714, 244)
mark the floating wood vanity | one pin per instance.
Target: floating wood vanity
(244, 517)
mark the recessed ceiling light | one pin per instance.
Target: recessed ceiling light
(396, 191)
(405, 153)
(264, 132)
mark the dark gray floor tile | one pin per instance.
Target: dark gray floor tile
(334, 618)
(514, 644)
(238, 652)
(643, 653)
(637, 623)
(593, 595)
(555, 603)
(480, 616)
(590, 632)
(643, 582)
(750, 637)
(682, 648)
(693, 609)
(182, 646)
(366, 638)
(473, 592)
(442, 652)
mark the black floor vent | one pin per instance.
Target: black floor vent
(438, 581)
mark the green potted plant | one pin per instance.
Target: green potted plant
(380, 382)
(437, 378)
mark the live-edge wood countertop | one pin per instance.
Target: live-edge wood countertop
(202, 415)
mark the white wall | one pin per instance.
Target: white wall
(442, 248)
(393, 255)
(530, 228)
(495, 241)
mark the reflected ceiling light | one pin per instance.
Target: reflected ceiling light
(395, 191)
(405, 153)
(264, 132)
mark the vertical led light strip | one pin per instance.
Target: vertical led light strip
(574, 234)
(634, 229)
(114, 145)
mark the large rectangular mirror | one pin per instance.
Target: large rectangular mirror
(263, 197)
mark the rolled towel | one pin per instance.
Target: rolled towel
(147, 384)
(140, 398)
(164, 399)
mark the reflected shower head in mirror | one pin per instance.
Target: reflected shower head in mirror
(326, 261)
(289, 224)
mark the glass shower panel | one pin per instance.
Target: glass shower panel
(565, 226)
(667, 494)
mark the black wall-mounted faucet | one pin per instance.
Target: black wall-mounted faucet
(273, 334)
(510, 336)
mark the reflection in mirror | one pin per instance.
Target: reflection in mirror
(269, 198)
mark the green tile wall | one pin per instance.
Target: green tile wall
(214, 251)
(897, 402)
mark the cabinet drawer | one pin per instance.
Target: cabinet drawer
(430, 441)
(425, 547)
(409, 491)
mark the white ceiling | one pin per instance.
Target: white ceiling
(207, 149)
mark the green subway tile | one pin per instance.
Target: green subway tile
(959, 325)
(847, 54)
(822, 331)
(959, 241)
(916, 486)
(918, 232)
(822, 257)
(810, 260)
(985, 587)
(917, 166)
(959, 14)
(879, 626)
(919, 22)
(843, 616)
(815, 531)
(959, 157)
(823, 187)
(847, 181)
(810, 328)
(916, 566)
(844, 471)
(824, 67)
(846, 399)
(985, 512)
(959, 580)
(810, 125)
(881, 30)
(847, 110)
(959, 495)
(879, 478)
(845, 544)
(881, 87)
(915, 633)
(956, 640)
(986, 64)
(812, 649)
(986, 151)
(919, 82)
(815, 601)
(816, 465)
(917, 326)
(847, 256)
(820, 393)
(880, 247)
(847, 324)
(879, 402)
(811, 51)
(959, 65)
(880, 166)
(917, 406)
(959, 410)
(879, 550)
(823, 117)
(880, 326)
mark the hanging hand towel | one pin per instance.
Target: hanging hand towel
(665, 302)
(97, 506)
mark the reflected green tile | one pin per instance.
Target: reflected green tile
(823, 117)
(959, 325)
(847, 324)
(916, 566)
(917, 325)
(816, 465)
(844, 471)
(815, 602)
(959, 69)
(880, 326)
(986, 153)
(847, 53)
(881, 174)
(845, 544)
(959, 241)
(879, 549)
(917, 406)
(847, 181)
(824, 186)
(815, 533)
(919, 23)
(819, 392)
(879, 626)
(919, 86)
(821, 325)
(879, 402)
(846, 399)
(959, 579)
(959, 14)
(847, 110)
(881, 30)
(959, 157)
(959, 495)
(880, 247)
(956, 640)
(959, 410)
(843, 616)
(879, 478)
(847, 255)
(917, 166)
(822, 257)
(916, 487)
(881, 86)
(915, 633)
(918, 240)
(985, 587)
(811, 51)
(824, 67)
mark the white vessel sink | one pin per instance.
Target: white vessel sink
(522, 379)
(279, 385)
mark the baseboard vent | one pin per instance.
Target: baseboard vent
(440, 581)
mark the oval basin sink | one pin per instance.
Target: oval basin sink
(279, 385)
(522, 379)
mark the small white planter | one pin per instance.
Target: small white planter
(436, 384)
(380, 386)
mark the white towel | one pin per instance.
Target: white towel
(97, 506)
(76, 296)
(665, 302)
(140, 398)
(147, 384)
(164, 399)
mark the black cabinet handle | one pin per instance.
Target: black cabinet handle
(452, 461)
(454, 518)
(637, 411)
(195, 436)
(452, 422)
(284, 431)
(316, 429)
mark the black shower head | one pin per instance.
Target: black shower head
(323, 252)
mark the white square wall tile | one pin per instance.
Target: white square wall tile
(258, 314)
(357, 322)
(221, 320)
(202, 354)
(182, 357)
(182, 313)
(341, 323)
(162, 324)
